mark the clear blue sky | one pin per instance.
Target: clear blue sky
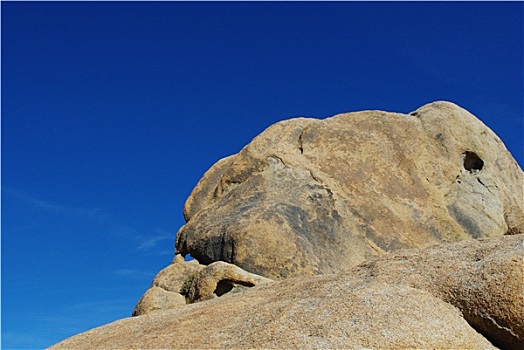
(111, 113)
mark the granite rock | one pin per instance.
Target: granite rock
(409, 299)
(184, 283)
(169, 288)
(311, 196)
(364, 230)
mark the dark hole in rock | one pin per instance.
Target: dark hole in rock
(223, 287)
(226, 286)
(472, 162)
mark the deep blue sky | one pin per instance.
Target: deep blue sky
(111, 113)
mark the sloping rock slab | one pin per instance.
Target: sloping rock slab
(402, 300)
(483, 278)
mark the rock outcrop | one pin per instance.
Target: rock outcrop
(483, 278)
(220, 278)
(170, 287)
(449, 296)
(363, 230)
(184, 282)
(312, 196)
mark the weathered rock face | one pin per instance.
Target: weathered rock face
(483, 278)
(312, 196)
(319, 197)
(436, 297)
(169, 288)
(184, 283)
(220, 278)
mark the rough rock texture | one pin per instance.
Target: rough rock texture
(157, 299)
(169, 288)
(312, 196)
(220, 278)
(483, 278)
(184, 283)
(374, 202)
(409, 299)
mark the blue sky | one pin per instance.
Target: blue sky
(111, 113)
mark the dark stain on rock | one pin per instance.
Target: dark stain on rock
(467, 223)
(380, 241)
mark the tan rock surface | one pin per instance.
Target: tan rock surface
(402, 300)
(312, 196)
(483, 278)
(220, 278)
(184, 283)
(169, 288)
(156, 299)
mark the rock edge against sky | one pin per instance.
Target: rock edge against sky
(355, 198)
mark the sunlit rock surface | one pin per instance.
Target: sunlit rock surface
(364, 230)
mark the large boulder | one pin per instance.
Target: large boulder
(311, 196)
(466, 295)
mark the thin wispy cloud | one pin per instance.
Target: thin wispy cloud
(145, 242)
(58, 326)
(150, 242)
(133, 273)
(55, 208)
(27, 338)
